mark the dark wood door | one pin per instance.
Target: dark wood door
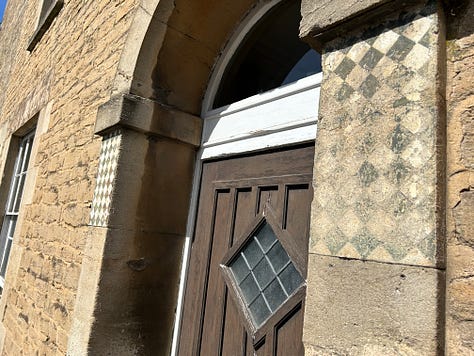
(253, 212)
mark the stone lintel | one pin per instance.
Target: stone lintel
(325, 20)
(149, 117)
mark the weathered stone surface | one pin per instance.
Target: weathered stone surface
(368, 308)
(321, 15)
(326, 20)
(378, 160)
(460, 171)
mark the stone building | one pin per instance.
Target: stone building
(158, 193)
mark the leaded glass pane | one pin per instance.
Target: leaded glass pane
(240, 269)
(290, 278)
(278, 257)
(266, 237)
(264, 273)
(259, 310)
(275, 294)
(5, 256)
(249, 288)
(253, 254)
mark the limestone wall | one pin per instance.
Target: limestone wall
(460, 173)
(68, 74)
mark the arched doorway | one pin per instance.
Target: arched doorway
(155, 114)
(248, 255)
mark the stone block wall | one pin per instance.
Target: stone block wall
(460, 175)
(70, 71)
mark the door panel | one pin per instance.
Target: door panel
(234, 193)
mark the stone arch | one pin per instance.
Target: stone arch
(162, 30)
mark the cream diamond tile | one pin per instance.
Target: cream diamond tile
(357, 76)
(382, 158)
(332, 60)
(349, 224)
(349, 251)
(418, 153)
(365, 208)
(324, 193)
(381, 190)
(385, 41)
(322, 223)
(415, 257)
(415, 120)
(417, 57)
(415, 230)
(356, 105)
(418, 28)
(327, 87)
(319, 246)
(380, 254)
(416, 191)
(384, 68)
(381, 224)
(382, 96)
(414, 88)
(358, 51)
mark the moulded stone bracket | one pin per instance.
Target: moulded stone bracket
(150, 117)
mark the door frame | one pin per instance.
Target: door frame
(246, 135)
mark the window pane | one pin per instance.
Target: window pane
(11, 223)
(263, 273)
(6, 254)
(290, 278)
(26, 161)
(278, 257)
(271, 55)
(12, 194)
(275, 295)
(239, 269)
(46, 5)
(309, 64)
(253, 254)
(259, 311)
(266, 237)
(249, 288)
(19, 193)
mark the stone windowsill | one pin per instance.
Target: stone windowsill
(45, 23)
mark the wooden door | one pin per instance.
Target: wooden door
(253, 211)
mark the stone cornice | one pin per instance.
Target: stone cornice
(326, 19)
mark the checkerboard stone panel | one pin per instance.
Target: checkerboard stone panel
(108, 160)
(376, 156)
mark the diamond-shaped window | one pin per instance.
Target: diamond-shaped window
(264, 274)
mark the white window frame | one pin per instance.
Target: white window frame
(15, 194)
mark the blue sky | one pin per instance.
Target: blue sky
(2, 8)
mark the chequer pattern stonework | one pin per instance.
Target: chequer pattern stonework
(376, 158)
(109, 156)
